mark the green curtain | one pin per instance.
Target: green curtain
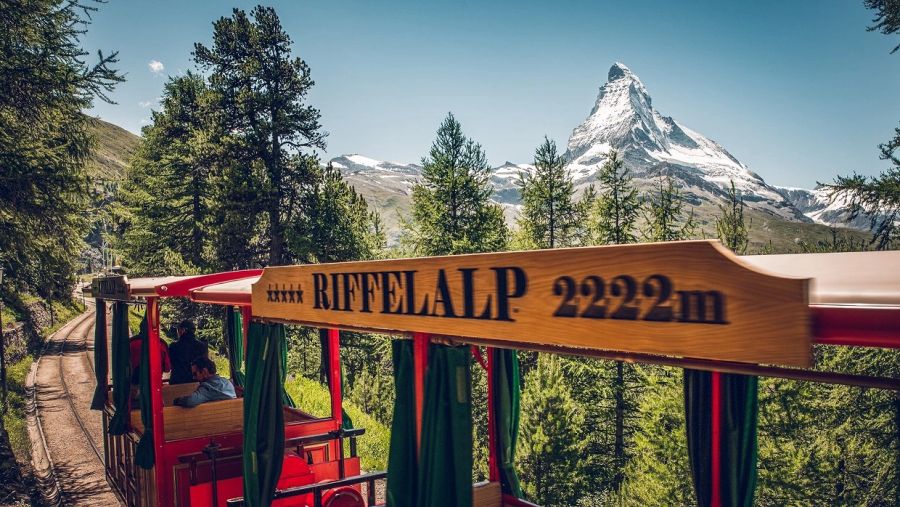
(506, 417)
(263, 414)
(325, 373)
(445, 464)
(101, 357)
(234, 342)
(143, 455)
(401, 472)
(121, 370)
(738, 447)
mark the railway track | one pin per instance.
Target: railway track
(82, 331)
(69, 432)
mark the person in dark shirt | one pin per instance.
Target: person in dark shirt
(184, 351)
(212, 387)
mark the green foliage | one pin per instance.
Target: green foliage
(550, 217)
(839, 241)
(45, 141)
(887, 17)
(665, 214)
(731, 229)
(314, 398)
(659, 472)
(550, 444)
(451, 208)
(166, 197)
(338, 225)
(618, 206)
(226, 176)
(875, 197)
(261, 115)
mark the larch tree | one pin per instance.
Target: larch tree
(45, 141)
(550, 216)
(665, 215)
(452, 212)
(731, 227)
(616, 210)
(618, 204)
(875, 197)
(550, 446)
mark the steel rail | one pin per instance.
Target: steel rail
(81, 329)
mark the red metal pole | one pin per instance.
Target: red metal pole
(493, 468)
(716, 426)
(420, 365)
(334, 366)
(163, 488)
(246, 313)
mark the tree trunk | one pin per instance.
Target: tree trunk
(619, 392)
(197, 232)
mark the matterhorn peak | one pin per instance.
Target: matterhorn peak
(624, 119)
(618, 71)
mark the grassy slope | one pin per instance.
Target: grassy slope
(114, 149)
(313, 398)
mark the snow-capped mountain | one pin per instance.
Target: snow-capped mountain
(821, 208)
(623, 118)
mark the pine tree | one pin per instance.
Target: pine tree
(263, 118)
(550, 443)
(731, 228)
(45, 141)
(665, 217)
(550, 216)
(166, 196)
(876, 197)
(337, 224)
(618, 206)
(659, 473)
(616, 211)
(451, 208)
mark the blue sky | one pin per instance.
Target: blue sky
(798, 90)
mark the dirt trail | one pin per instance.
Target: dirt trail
(64, 386)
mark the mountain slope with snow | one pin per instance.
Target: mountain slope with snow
(623, 119)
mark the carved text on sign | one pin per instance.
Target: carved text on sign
(620, 297)
(396, 292)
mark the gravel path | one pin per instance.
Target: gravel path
(64, 386)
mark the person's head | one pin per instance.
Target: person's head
(202, 368)
(185, 327)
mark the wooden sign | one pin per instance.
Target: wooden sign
(687, 299)
(111, 288)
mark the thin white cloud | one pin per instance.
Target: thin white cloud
(156, 66)
(149, 103)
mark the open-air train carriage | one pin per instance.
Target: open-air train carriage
(195, 456)
(725, 319)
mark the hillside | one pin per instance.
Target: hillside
(113, 150)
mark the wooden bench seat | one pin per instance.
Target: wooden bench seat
(487, 494)
(206, 419)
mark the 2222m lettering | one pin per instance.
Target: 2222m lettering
(693, 306)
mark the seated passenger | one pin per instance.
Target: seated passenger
(134, 346)
(183, 352)
(212, 387)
